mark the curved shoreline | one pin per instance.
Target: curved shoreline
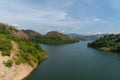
(35, 67)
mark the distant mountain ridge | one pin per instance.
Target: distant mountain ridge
(87, 37)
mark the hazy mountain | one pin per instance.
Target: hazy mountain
(87, 37)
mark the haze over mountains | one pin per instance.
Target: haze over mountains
(87, 37)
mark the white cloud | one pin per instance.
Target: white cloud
(99, 33)
(66, 15)
(89, 33)
(96, 20)
(61, 15)
(44, 15)
(94, 33)
(17, 25)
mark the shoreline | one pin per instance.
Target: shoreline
(35, 67)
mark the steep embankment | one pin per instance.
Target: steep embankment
(15, 72)
(18, 55)
(107, 43)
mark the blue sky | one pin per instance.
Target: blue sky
(68, 16)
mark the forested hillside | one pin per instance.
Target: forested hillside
(107, 43)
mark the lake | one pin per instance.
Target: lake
(77, 62)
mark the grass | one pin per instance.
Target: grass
(28, 52)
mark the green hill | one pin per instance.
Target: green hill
(27, 51)
(52, 37)
(12, 30)
(107, 43)
(55, 37)
(33, 35)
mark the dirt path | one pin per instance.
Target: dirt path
(15, 50)
(16, 72)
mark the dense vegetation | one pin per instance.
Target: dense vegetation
(52, 37)
(107, 43)
(55, 40)
(28, 52)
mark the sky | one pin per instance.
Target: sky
(67, 16)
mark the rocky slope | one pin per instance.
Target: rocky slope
(16, 72)
(12, 30)
(18, 57)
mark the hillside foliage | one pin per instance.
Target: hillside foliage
(109, 43)
(28, 52)
(52, 37)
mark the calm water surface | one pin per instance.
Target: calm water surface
(77, 62)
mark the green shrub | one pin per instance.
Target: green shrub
(8, 63)
(18, 61)
(6, 53)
